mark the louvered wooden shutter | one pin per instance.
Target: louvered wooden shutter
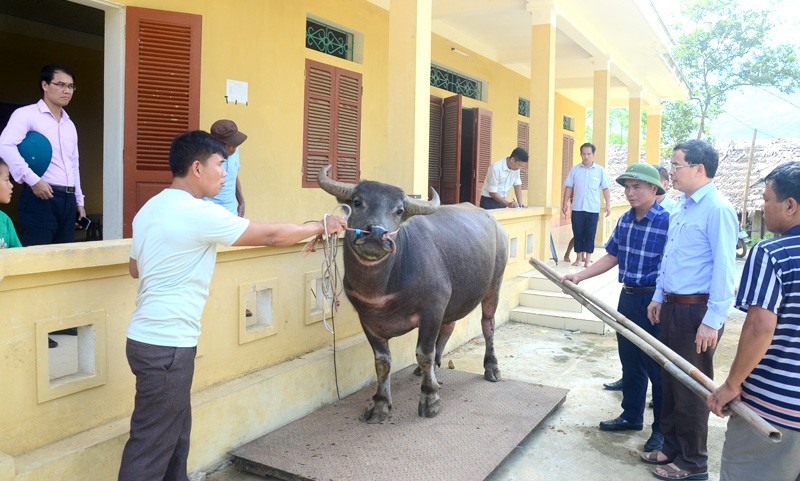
(451, 150)
(162, 98)
(435, 144)
(332, 123)
(523, 136)
(482, 149)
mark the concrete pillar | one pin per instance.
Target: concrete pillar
(653, 148)
(409, 94)
(543, 80)
(602, 85)
(634, 126)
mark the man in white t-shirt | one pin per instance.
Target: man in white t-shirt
(500, 178)
(173, 253)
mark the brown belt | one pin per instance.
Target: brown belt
(686, 298)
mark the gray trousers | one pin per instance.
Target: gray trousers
(161, 423)
(747, 456)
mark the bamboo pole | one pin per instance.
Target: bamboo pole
(674, 364)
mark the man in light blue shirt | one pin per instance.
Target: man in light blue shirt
(583, 185)
(694, 293)
(230, 196)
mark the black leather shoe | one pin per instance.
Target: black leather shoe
(619, 424)
(655, 443)
(613, 386)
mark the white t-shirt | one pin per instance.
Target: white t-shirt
(500, 179)
(175, 237)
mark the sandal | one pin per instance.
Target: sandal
(655, 457)
(671, 471)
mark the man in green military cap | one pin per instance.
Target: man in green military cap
(636, 246)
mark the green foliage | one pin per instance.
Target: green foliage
(722, 47)
(619, 124)
(756, 239)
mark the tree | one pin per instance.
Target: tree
(722, 47)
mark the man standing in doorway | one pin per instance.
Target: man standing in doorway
(694, 293)
(50, 203)
(764, 373)
(501, 177)
(586, 179)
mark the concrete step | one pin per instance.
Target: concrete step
(583, 321)
(549, 300)
(538, 282)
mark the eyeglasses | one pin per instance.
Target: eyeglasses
(64, 86)
(677, 167)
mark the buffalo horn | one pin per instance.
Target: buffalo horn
(421, 207)
(340, 190)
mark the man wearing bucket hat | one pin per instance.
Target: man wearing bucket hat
(52, 194)
(230, 196)
(636, 246)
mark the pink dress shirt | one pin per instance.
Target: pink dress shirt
(63, 137)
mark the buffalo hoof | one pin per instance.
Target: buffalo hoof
(492, 374)
(429, 405)
(375, 414)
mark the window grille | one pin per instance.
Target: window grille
(524, 107)
(456, 83)
(327, 39)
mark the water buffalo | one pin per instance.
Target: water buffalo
(413, 264)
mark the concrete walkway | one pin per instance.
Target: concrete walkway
(569, 445)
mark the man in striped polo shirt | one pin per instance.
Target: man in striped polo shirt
(765, 373)
(636, 246)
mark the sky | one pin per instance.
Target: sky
(772, 113)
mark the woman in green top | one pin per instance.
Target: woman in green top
(8, 236)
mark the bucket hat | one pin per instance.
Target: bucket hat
(642, 172)
(227, 132)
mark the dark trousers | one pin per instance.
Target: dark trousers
(489, 203)
(584, 228)
(50, 221)
(638, 367)
(684, 415)
(162, 414)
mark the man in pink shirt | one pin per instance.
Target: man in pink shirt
(50, 203)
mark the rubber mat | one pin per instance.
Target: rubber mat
(479, 424)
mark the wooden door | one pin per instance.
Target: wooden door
(435, 144)
(482, 150)
(162, 99)
(523, 140)
(451, 150)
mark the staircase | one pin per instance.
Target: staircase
(544, 304)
